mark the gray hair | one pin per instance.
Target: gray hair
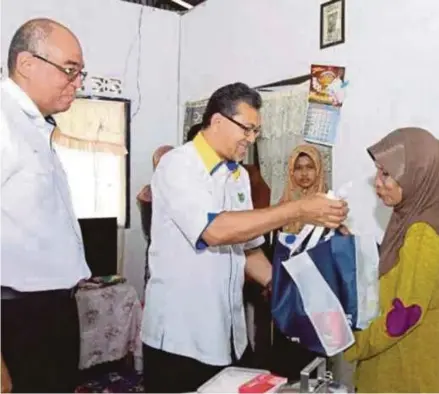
(28, 38)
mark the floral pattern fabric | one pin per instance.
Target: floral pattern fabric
(110, 319)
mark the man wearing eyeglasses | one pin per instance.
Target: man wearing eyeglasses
(42, 252)
(205, 238)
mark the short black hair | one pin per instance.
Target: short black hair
(28, 38)
(193, 131)
(227, 98)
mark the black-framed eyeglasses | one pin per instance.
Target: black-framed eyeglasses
(248, 130)
(71, 72)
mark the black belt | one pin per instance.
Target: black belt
(8, 293)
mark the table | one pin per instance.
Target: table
(110, 319)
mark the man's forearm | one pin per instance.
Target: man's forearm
(238, 227)
(257, 267)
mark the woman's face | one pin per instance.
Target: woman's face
(304, 171)
(387, 189)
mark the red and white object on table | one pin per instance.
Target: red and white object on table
(263, 383)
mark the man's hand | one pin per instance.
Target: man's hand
(322, 211)
(6, 379)
(257, 267)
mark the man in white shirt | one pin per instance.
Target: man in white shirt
(42, 254)
(205, 237)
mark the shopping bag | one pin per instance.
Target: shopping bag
(324, 285)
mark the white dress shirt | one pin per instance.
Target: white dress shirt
(193, 299)
(41, 242)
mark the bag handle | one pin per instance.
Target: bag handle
(315, 237)
(317, 232)
(307, 229)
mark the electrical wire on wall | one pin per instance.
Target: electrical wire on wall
(121, 238)
(139, 63)
(138, 40)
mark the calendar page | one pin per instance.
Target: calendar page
(321, 124)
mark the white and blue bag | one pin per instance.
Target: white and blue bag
(324, 286)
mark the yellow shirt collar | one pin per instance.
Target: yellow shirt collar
(210, 158)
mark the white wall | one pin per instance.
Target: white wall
(106, 29)
(391, 55)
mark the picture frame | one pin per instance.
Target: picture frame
(332, 23)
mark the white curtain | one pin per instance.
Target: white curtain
(90, 140)
(93, 125)
(283, 117)
(97, 183)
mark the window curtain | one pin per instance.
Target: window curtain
(283, 117)
(92, 125)
(193, 115)
(91, 145)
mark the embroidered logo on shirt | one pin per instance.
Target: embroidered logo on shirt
(241, 197)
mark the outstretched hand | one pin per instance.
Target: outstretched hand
(320, 210)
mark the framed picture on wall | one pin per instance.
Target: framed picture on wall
(332, 23)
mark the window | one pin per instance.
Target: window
(92, 141)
